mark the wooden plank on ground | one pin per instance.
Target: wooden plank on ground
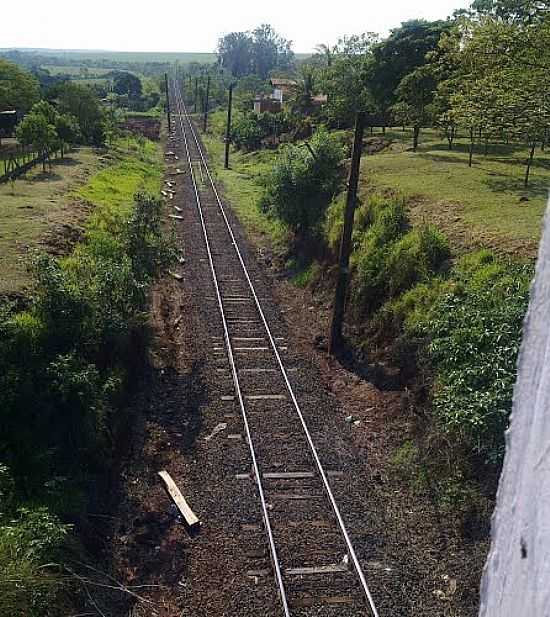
(175, 494)
(313, 570)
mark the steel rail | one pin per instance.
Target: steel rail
(267, 522)
(332, 499)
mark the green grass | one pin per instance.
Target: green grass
(36, 205)
(75, 71)
(134, 169)
(243, 187)
(130, 56)
(47, 205)
(482, 201)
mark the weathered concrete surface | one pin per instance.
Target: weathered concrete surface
(516, 581)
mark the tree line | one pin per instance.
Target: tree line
(482, 72)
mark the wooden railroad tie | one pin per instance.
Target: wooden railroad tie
(174, 493)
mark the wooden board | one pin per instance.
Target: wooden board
(175, 494)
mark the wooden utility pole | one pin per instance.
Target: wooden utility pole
(205, 122)
(228, 127)
(168, 103)
(345, 245)
(196, 94)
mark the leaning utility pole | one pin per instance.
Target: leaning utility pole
(228, 127)
(168, 103)
(205, 123)
(345, 246)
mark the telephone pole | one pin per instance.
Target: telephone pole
(335, 341)
(196, 94)
(205, 123)
(228, 127)
(168, 103)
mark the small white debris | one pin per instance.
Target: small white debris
(177, 276)
(218, 429)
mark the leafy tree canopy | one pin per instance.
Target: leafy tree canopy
(127, 83)
(82, 103)
(18, 88)
(400, 54)
(513, 10)
(257, 52)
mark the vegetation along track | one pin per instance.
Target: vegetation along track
(316, 567)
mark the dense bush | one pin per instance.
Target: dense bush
(249, 129)
(474, 333)
(30, 542)
(303, 182)
(246, 133)
(391, 258)
(63, 364)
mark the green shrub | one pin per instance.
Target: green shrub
(474, 332)
(31, 540)
(302, 183)
(29, 582)
(63, 364)
(391, 259)
(246, 133)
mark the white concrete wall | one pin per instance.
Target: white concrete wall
(516, 580)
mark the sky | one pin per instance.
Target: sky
(124, 25)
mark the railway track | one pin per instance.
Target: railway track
(311, 555)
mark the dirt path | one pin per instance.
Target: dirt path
(415, 564)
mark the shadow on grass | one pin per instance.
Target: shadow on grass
(67, 161)
(45, 176)
(538, 187)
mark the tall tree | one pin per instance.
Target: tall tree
(416, 93)
(522, 11)
(258, 52)
(270, 51)
(35, 130)
(127, 83)
(18, 89)
(400, 54)
(235, 53)
(504, 86)
(83, 104)
(345, 80)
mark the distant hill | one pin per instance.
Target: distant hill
(116, 56)
(105, 56)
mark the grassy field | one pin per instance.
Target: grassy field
(36, 205)
(485, 205)
(42, 209)
(133, 169)
(130, 56)
(76, 71)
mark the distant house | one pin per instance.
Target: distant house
(283, 91)
(282, 88)
(264, 104)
